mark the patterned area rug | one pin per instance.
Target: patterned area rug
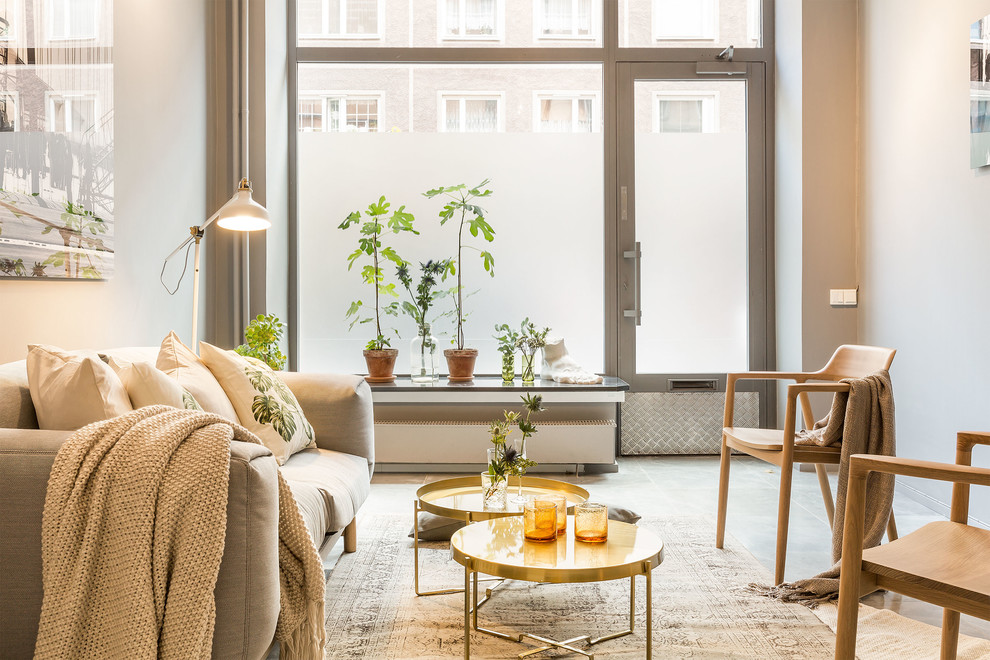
(699, 610)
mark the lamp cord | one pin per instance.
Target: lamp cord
(185, 265)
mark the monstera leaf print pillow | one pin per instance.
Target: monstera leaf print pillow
(264, 404)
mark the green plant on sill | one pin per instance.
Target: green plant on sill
(263, 335)
(462, 199)
(421, 302)
(509, 460)
(507, 339)
(370, 243)
(530, 338)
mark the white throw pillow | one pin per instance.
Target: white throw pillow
(265, 405)
(71, 391)
(148, 386)
(179, 362)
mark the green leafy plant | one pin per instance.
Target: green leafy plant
(263, 335)
(508, 459)
(461, 202)
(530, 338)
(506, 338)
(373, 230)
(421, 300)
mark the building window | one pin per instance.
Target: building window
(340, 113)
(352, 19)
(564, 19)
(8, 113)
(73, 19)
(72, 112)
(471, 113)
(685, 19)
(685, 113)
(469, 19)
(566, 113)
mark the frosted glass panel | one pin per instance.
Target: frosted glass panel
(547, 206)
(691, 218)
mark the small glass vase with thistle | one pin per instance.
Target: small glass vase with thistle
(509, 458)
(529, 342)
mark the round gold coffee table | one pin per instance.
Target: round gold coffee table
(497, 547)
(460, 498)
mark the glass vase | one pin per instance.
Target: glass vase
(493, 491)
(528, 367)
(424, 366)
(508, 367)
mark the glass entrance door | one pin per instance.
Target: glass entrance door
(693, 271)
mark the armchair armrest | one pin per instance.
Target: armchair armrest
(730, 386)
(966, 440)
(339, 407)
(860, 465)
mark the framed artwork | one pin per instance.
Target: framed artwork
(56, 139)
(979, 93)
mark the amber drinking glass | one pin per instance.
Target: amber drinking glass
(540, 520)
(590, 522)
(561, 502)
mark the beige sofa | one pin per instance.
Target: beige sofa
(330, 483)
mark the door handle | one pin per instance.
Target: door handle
(637, 256)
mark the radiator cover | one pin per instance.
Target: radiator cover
(681, 423)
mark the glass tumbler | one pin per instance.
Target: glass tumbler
(561, 502)
(540, 520)
(590, 522)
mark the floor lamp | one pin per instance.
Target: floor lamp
(241, 212)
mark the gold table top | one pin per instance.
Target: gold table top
(497, 547)
(460, 497)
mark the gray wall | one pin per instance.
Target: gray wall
(925, 226)
(160, 132)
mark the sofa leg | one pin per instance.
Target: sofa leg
(350, 536)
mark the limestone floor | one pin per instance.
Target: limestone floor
(687, 485)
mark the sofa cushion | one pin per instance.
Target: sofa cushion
(146, 385)
(264, 404)
(341, 480)
(179, 362)
(71, 391)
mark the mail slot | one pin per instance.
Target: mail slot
(692, 384)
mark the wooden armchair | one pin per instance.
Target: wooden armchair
(946, 563)
(777, 445)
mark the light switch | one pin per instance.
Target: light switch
(842, 297)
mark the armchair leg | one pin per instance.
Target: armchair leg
(845, 626)
(950, 634)
(723, 494)
(826, 492)
(891, 528)
(350, 536)
(783, 514)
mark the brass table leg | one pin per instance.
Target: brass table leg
(467, 612)
(437, 592)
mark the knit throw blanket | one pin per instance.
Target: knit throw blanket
(133, 533)
(862, 422)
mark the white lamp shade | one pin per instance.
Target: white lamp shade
(242, 213)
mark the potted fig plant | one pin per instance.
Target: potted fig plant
(262, 337)
(461, 204)
(378, 354)
(424, 364)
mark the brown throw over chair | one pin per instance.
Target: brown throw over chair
(777, 445)
(946, 563)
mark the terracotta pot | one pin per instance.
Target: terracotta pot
(460, 363)
(380, 365)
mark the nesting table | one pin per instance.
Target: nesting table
(460, 498)
(497, 547)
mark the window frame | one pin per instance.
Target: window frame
(709, 98)
(326, 35)
(325, 96)
(595, 35)
(710, 33)
(574, 96)
(15, 98)
(50, 23)
(70, 96)
(445, 95)
(444, 36)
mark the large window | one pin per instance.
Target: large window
(470, 19)
(563, 112)
(571, 19)
(470, 113)
(73, 19)
(344, 112)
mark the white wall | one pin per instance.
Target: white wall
(925, 226)
(160, 133)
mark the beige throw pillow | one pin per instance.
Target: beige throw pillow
(179, 362)
(265, 405)
(71, 391)
(146, 385)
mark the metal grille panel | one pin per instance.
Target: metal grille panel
(681, 423)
